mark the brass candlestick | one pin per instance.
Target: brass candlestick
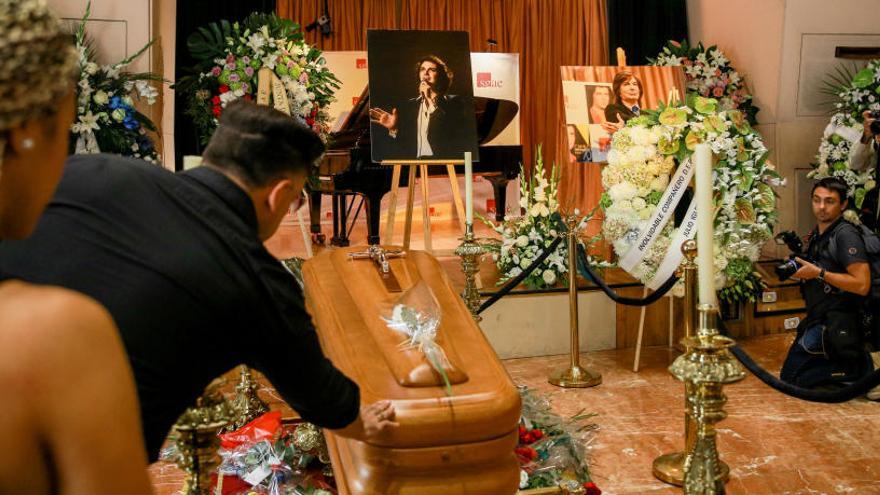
(197, 441)
(247, 404)
(574, 376)
(470, 253)
(669, 468)
(707, 366)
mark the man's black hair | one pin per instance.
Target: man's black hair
(260, 144)
(833, 184)
(444, 73)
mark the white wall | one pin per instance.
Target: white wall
(120, 28)
(764, 39)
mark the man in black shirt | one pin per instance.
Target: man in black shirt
(829, 343)
(178, 260)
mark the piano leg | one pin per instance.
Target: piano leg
(315, 217)
(340, 221)
(374, 211)
(499, 187)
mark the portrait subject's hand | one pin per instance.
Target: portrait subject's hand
(427, 92)
(612, 127)
(383, 118)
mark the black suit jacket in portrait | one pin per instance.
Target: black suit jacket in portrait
(451, 130)
(615, 109)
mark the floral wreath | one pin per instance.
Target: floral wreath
(106, 119)
(710, 75)
(644, 155)
(856, 94)
(230, 57)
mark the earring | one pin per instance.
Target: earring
(27, 143)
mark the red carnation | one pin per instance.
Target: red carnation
(537, 434)
(215, 100)
(223, 88)
(217, 111)
(592, 489)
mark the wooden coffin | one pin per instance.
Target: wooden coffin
(446, 444)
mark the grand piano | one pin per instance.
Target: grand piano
(347, 172)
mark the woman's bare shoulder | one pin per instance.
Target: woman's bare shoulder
(51, 322)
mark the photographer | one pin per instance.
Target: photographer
(829, 345)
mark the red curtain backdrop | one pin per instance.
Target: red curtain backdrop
(546, 33)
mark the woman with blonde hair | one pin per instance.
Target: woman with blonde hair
(69, 423)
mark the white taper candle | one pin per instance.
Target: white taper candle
(469, 186)
(705, 224)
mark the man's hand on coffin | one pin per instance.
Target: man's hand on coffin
(374, 421)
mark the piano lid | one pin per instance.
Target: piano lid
(493, 116)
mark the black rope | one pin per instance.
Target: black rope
(587, 272)
(856, 389)
(503, 291)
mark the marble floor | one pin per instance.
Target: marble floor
(774, 444)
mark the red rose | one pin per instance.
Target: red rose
(537, 434)
(224, 88)
(215, 100)
(216, 111)
(592, 489)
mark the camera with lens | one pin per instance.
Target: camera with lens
(875, 125)
(794, 243)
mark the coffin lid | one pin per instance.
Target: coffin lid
(346, 299)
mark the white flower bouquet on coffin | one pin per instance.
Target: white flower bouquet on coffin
(856, 94)
(524, 238)
(649, 168)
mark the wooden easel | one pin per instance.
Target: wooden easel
(422, 166)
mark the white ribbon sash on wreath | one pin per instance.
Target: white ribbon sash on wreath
(664, 211)
(673, 256)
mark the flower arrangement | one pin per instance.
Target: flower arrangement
(709, 74)
(644, 155)
(106, 118)
(523, 239)
(551, 450)
(855, 94)
(230, 58)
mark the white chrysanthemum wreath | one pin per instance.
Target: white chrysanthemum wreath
(855, 95)
(645, 156)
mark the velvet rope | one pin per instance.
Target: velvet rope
(849, 392)
(587, 272)
(503, 291)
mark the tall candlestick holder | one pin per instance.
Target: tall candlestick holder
(197, 441)
(470, 253)
(247, 404)
(706, 367)
(574, 376)
(669, 468)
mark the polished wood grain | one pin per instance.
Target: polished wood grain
(454, 443)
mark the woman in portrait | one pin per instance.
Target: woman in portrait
(577, 145)
(627, 104)
(599, 98)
